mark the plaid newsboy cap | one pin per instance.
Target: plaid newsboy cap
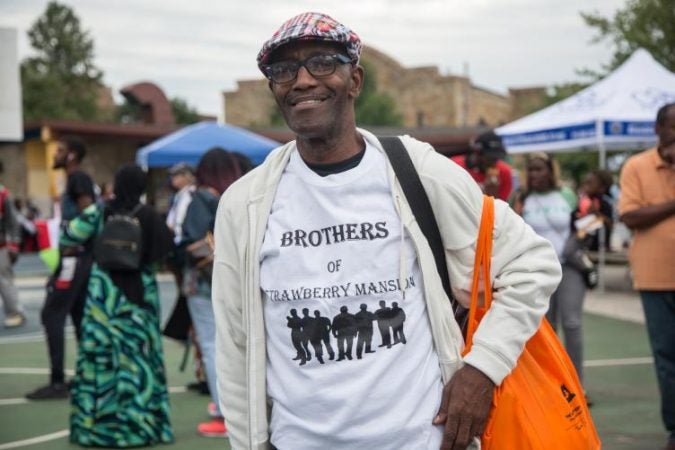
(311, 26)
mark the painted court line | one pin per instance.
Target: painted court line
(30, 371)
(618, 362)
(35, 440)
(13, 401)
(22, 371)
(23, 338)
(36, 336)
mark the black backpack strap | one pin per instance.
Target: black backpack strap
(108, 211)
(421, 207)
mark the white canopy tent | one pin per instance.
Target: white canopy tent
(617, 112)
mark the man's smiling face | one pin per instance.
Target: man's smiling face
(317, 107)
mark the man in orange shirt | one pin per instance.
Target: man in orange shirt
(647, 206)
(484, 163)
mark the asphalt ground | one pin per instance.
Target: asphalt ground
(620, 376)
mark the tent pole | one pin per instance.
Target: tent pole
(600, 137)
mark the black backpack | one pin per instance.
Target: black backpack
(119, 246)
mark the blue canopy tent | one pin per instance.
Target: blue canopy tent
(190, 143)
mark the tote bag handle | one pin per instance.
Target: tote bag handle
(482, 261)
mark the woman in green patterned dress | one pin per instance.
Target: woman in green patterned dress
(119, 393)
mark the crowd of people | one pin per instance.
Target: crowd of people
(306, 254)
(119, 395)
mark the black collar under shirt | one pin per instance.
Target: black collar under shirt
(342, 166)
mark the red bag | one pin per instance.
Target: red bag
(540, 405)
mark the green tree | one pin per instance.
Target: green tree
(373, 107)
(61, 80)
(128, 112)
(574, 166)
(184, 113)
(649, 24)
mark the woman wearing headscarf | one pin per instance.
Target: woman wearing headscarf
(548, 208)
(216, 171)
(119, 393)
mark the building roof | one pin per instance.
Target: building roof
(446, 140)
(33, 130)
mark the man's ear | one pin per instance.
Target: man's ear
(357, 77)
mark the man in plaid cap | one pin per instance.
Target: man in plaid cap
(323, 225)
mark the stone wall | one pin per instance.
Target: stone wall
(526, 100)
(488, 108)
(250, 105)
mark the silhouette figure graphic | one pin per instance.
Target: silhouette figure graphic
(398, 317)
(344, 329)
(384, 323)
(295, 324)
(364, 326)
(307, 326)
(321, 333)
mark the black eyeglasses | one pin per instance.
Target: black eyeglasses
(318, 66)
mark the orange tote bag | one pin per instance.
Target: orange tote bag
(540, 405)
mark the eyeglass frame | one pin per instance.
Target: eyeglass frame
(337, 58)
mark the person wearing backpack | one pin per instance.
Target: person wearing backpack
(217, 169)
(119, 393)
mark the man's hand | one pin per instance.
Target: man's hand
(464, 407)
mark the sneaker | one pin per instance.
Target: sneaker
(15, 320)
(194, 386)
(213, 428)
(51, 391)
(213, 410)
(200, 386)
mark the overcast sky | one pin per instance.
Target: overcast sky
(195, 49)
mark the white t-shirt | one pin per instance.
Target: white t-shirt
(550, 215)
(176, 214)
(332, 243)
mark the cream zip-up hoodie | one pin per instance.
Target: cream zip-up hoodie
(525, 272)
